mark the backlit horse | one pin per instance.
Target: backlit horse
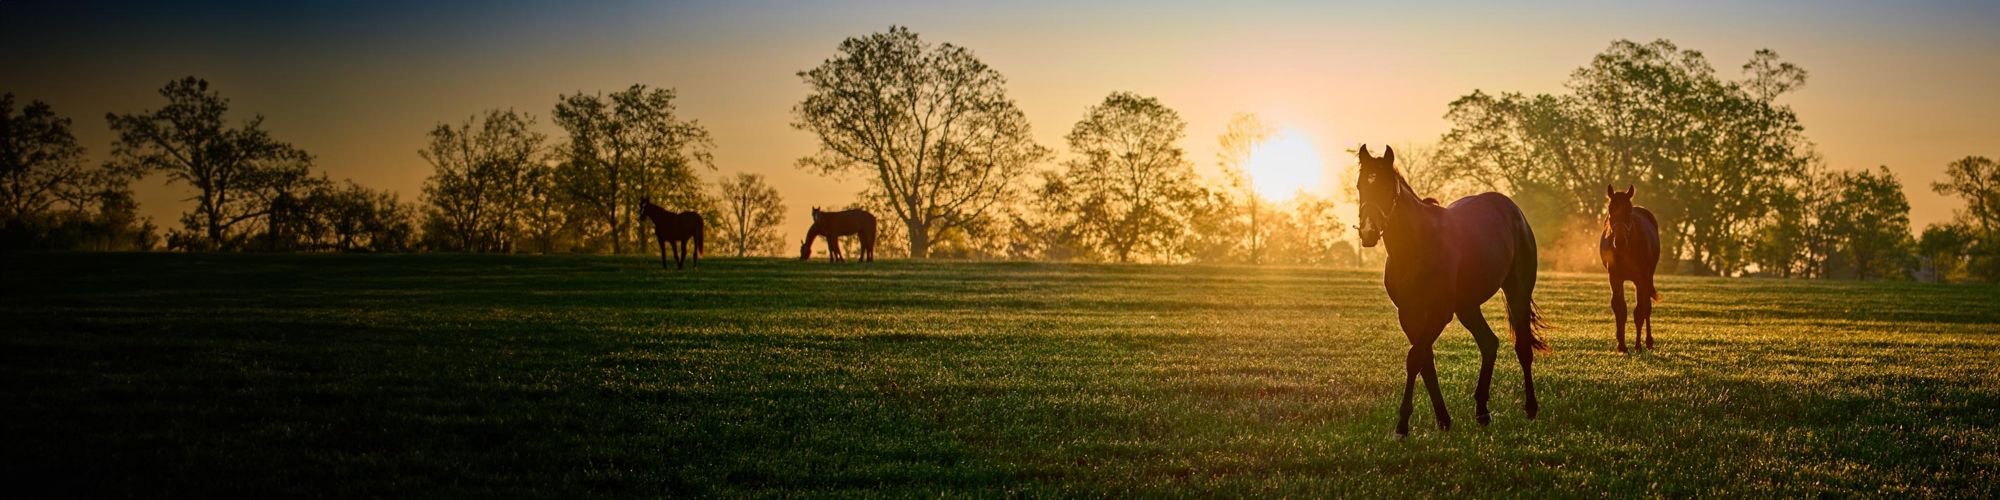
(676, 227)
(1445, 262)
(834, 225)
(1630, 250)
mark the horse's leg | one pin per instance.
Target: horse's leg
(1422, 331)
(1489, 345)
(1618, 307)
(1644, 288)
(1409, 392)
(1430, 374)
(663, 254)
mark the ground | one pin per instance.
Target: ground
(335, 375)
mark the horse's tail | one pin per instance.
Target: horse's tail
(700, 228)
(1524, 318)
(1533, 324)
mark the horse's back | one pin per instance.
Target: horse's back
(1651, 226)
(1489, 217)
(845, 222)
(1492, 238)
(678, 225)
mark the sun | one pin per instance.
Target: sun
(1284, 165)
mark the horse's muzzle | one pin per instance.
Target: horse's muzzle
(1369, 237)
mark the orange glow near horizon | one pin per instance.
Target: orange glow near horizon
(358, 85)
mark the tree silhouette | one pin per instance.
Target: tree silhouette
(1239, 140)
(237, 172)
(49, 197)
(1870, 220)
(751, 213)
(930, 125)
(40, 163)
(1129, 186)
(625, 146)
(487, 173)
(1719, 154)
(1977, 180)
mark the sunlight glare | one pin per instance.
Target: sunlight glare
(1284, 166)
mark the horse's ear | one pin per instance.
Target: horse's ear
(1629, 189)
(1608, 190)
(1389, 155)
(1364, 153)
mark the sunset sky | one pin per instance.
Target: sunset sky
(1911, 85)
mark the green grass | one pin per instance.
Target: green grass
(324, 375)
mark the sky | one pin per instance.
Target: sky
(1910, 85)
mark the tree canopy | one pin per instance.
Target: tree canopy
(929, 125)
(238, 172)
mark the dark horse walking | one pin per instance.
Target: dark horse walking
(677, 227)
(1630, 249)
(1445, 262)
(834, 225)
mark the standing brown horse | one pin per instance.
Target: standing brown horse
(1630, 249)
(1445, 262)
(677, 227)
(834, 225)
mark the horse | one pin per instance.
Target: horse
(1445, 261)
(677, 227)
(1630, 250)
(834, 225)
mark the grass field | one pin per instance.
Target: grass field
(328, 375)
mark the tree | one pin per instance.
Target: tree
(1129, 186)
(1945, 248)
(237, 172)
(486, 174)
(751, 213)
(1719, 154)
(545, 211)
(1870, 220)
(1239, 140)
(41, 166)
(1977, 180)
(930, 126)
(50, 199)
(1310, 232)
(317, 214)
(623, 147)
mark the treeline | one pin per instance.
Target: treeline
(953, 171)
(1737, 185)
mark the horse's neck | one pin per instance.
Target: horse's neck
(1409, 223)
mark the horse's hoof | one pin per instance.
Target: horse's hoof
(1444, 425)
(1532, 410)
(1485, 419)
(1621, 349)
(1649, 343)
(1402, 434)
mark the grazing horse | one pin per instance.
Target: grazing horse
(1445, 262)
(1630, 249)
(677, 227)
(834, 225)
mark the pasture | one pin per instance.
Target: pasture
(477, 376)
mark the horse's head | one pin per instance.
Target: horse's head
(646, 205)
(816, 213)
(1378, 186)
(806, 250)
(1619, 213)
